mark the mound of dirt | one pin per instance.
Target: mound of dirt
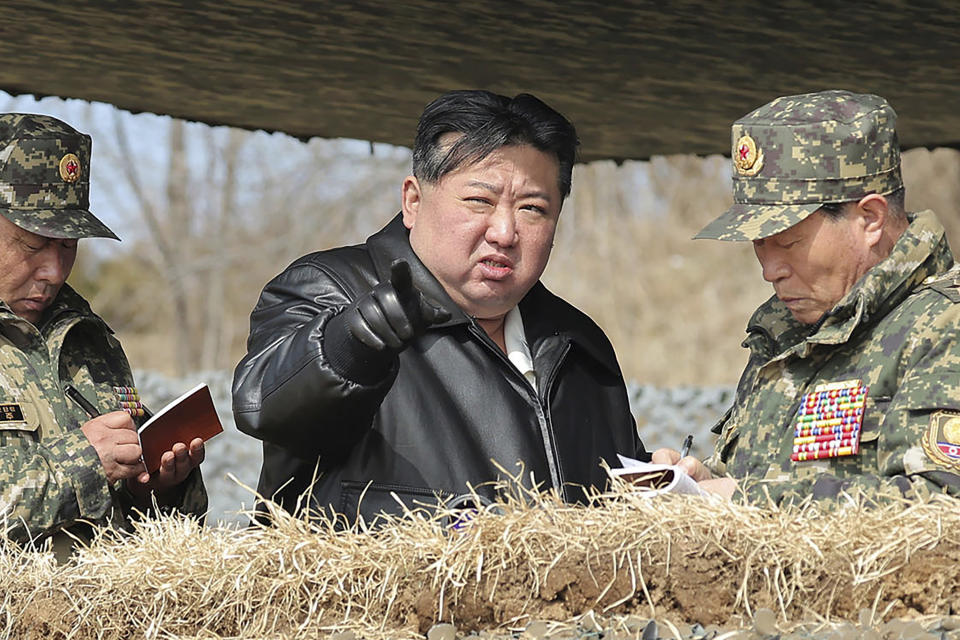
(532, 566)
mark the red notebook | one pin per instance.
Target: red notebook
(190, 416)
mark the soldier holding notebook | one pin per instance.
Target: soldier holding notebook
(69, 453)
(853, 381)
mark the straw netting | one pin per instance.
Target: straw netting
(524, 564)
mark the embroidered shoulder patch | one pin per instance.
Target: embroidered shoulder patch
(941, 442)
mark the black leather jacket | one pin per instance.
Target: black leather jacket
(450, 405)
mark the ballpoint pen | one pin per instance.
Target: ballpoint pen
(88, 407)
(685, 449)
(77, 397)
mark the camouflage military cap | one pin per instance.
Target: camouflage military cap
(45, 177)
(796, 153)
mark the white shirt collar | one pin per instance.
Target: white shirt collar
(515, 340)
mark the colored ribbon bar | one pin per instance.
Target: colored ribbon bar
(828, 421)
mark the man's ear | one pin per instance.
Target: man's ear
(411, 197)
(874, 212)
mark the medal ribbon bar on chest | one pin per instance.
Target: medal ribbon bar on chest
(128, 399)
(828, 421)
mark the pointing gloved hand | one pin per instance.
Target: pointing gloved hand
(393, 312)
(362, 341)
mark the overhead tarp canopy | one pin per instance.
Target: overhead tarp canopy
(637, 78)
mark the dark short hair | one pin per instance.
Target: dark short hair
(896, 200)
(489, 121)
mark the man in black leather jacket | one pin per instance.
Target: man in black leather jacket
(430, 361)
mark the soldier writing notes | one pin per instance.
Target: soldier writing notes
(61, 468)
(853, 381)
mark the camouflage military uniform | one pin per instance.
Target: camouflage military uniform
(51, 477)
(50, 474)
(897, 329)
(898, 332)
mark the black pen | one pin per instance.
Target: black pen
(685, 449)
(77, 397)
(87, 406)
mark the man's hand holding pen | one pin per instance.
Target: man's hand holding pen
(723, 486)
(114, 437)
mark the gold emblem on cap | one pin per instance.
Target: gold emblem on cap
(70, 168)
(747, 158)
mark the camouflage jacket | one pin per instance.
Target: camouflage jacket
(51, 477)
(897, 330)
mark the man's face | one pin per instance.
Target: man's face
(814, 263)
(485, 230)
(32, 269)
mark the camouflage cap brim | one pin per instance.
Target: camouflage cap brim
(798, 152)
(748, 221)
(59, 223)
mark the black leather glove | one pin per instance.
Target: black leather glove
(362, 341)
(393, 312)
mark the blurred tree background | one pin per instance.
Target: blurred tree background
(209, 215)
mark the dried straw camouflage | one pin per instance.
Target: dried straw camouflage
(796, 153)
(45, 177)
